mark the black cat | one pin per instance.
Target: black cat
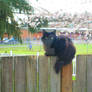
(59, 46)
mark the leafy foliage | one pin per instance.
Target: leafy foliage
(7, 22)
(9, 25)
(36, 23)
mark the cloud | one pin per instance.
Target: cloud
(66, 5)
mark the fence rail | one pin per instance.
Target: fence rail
(33, 74)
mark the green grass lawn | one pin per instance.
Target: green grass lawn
(23, 49)
(83, 49)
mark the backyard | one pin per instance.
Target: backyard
(21, 49)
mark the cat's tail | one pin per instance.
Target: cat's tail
(58, 66)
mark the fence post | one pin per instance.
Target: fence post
(66, 78)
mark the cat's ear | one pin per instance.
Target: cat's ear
(54, 31)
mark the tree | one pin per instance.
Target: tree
(7, 22)
(35, 23)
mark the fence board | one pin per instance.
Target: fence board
(89, 73)
(31, 74)
(20, 74)
(80, 83)
(66, 78)
(7, 78)
(43, 74)
(0, 73)
(54, 78)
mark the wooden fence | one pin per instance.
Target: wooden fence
(83, 82)
(35, 74)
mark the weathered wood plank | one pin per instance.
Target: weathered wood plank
(20, 79)
(66, 78)
(80, 83)
(43, 74)
(74, 86)
(7, 72)
(0, 73)
(89, 73)
(31, 74)
(54, 78)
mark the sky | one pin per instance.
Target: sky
(72, 6)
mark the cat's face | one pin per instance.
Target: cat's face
(48, 38)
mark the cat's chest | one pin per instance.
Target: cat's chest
(48, 43)
(59, 43)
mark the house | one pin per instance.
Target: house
(25, 35)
